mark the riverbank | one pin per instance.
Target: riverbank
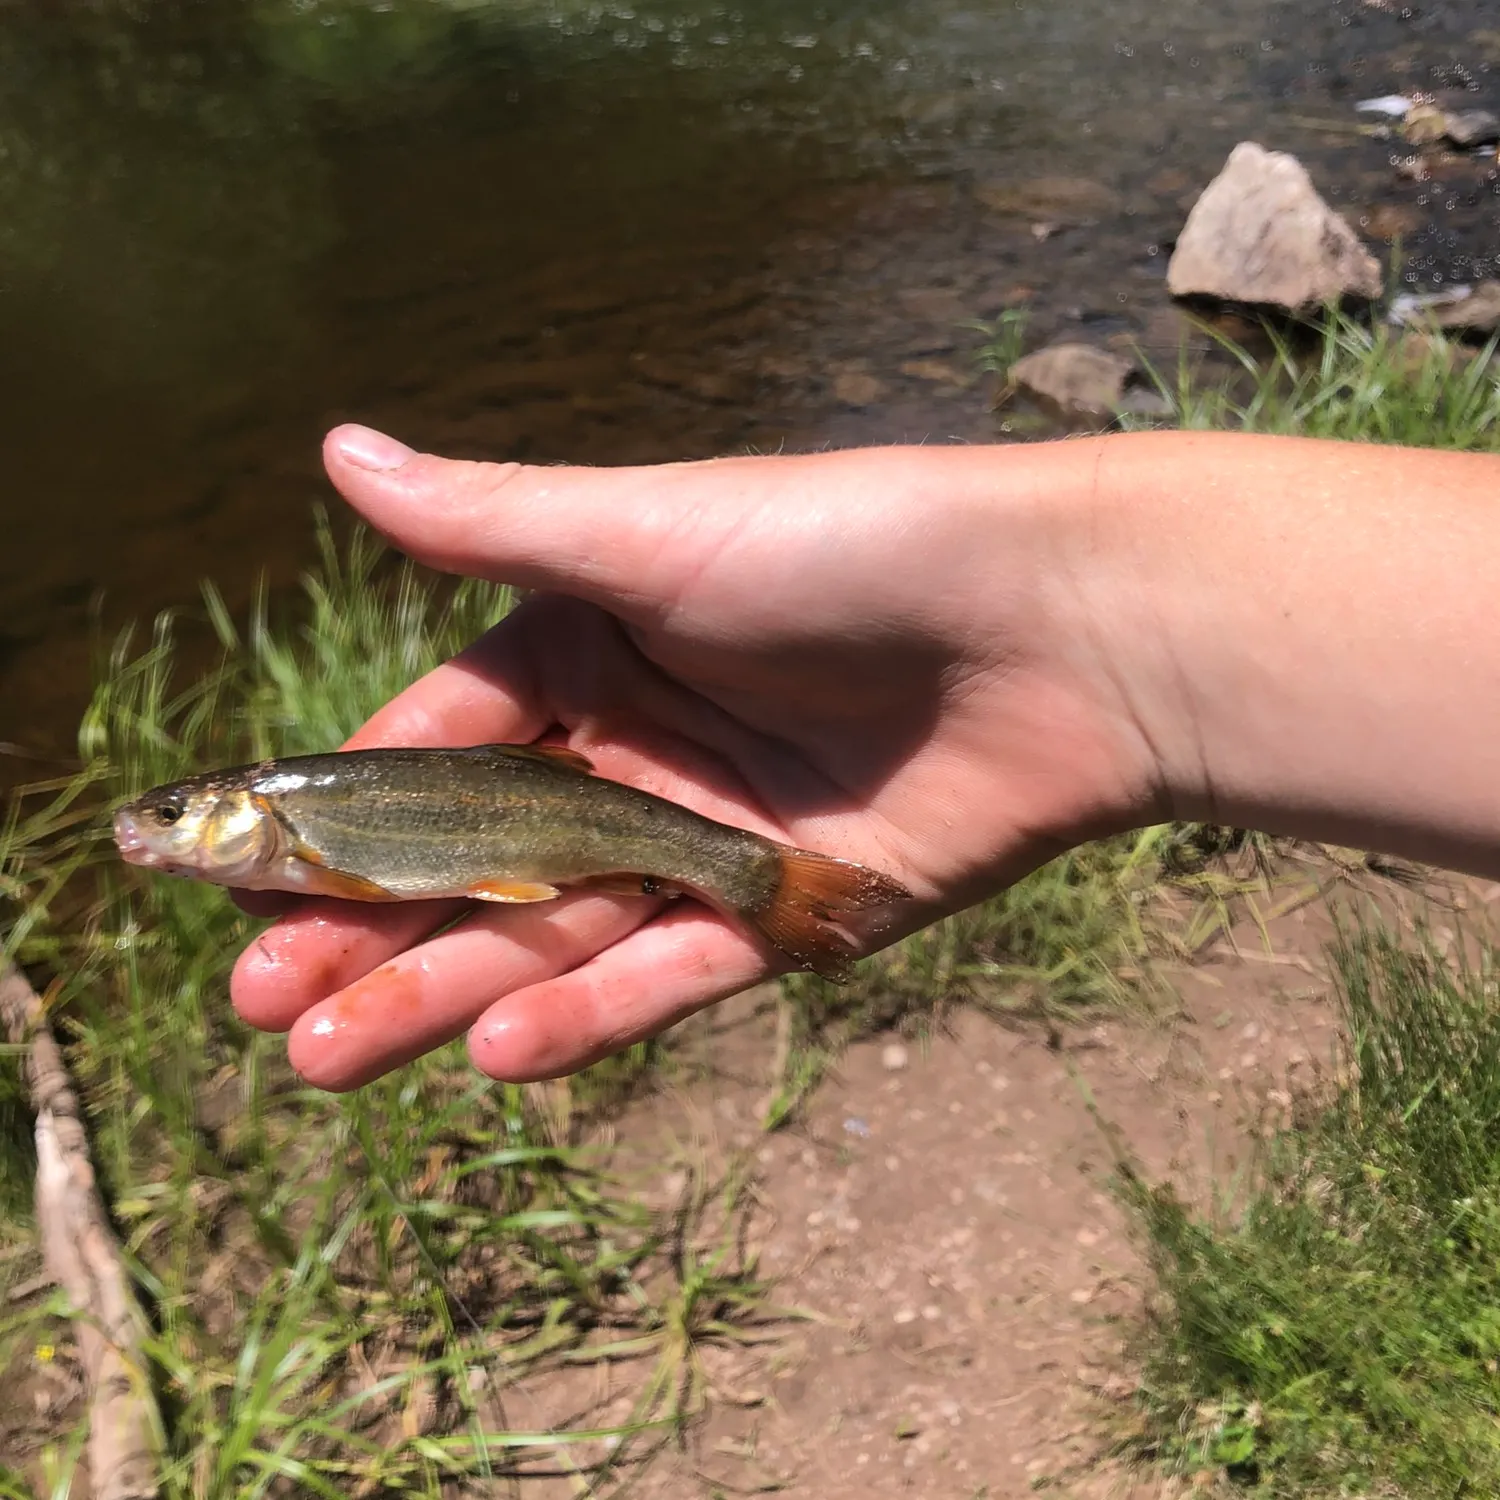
(814, 1227)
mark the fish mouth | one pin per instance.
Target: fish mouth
(131, 842)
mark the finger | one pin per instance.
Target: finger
(320, 948)
(426, 997)
(650, 980)
(599, 534)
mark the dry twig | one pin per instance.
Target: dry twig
(82, 1253)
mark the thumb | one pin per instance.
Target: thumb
(597, 534)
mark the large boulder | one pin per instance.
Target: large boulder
(1260, 233)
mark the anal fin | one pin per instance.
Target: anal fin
(514, 892)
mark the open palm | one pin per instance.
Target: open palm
(838, 651)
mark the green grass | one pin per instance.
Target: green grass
(1345, 378)
(1339, 1330)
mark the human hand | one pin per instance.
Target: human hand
(875, 654)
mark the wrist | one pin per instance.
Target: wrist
(1299, 629)
(1050, 594)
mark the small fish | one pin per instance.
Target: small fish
(511, 823)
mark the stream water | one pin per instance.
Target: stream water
(600, 230)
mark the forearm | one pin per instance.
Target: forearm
(1311, 634)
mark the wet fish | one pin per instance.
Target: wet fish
(507, 823)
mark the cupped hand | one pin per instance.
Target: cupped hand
(877, 654)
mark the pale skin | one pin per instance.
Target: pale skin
(947, 663)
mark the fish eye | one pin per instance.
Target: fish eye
(169, 812)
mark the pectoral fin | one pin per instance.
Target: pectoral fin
(518, 892)
(318, 878)
(345, 887)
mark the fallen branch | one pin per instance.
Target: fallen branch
(83, 1255)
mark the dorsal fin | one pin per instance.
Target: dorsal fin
(557, 755)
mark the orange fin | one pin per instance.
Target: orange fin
(622, 884)
(517, 892)
(802, 917)
(559, 755)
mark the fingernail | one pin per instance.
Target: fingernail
(367, 449)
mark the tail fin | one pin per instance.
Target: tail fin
(802, 917)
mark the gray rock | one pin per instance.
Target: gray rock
(1260, 233)
(1080, 380)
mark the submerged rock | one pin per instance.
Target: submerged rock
(1386, 221)
(1261, 233)
(1080, 380)
(1426, 122)
(1056, 201)
(857, 388)
(1460, 309)
(1472, 127)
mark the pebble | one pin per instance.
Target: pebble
(894, 1057)
(906, 1315)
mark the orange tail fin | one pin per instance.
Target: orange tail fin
(802, 918)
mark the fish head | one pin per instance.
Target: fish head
(209, 828)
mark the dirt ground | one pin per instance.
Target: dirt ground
(942, 1210)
